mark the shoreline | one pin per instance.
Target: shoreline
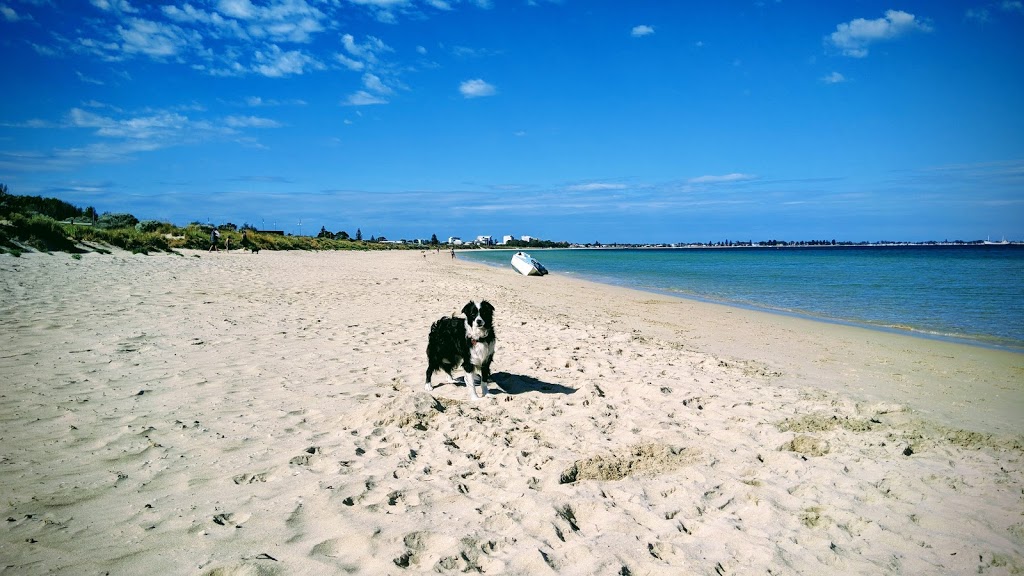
(978, 340)
(819, 338)
(235, 413)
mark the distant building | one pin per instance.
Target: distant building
(484, 240)
(455, 240)
(526, 238)
(506, 239)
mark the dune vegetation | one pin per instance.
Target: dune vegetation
(34, 223)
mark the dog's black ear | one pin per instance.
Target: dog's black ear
(486, 308)
(469, 308)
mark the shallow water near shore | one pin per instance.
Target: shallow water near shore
(971, 294)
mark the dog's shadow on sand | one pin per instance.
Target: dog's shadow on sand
(520, 383)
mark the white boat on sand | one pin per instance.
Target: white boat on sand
(527, 265)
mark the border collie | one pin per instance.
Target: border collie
(466, 342)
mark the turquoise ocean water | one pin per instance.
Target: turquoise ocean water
(966, 293)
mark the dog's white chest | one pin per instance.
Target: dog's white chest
(480, 351)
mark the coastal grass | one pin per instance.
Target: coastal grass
(35, 232)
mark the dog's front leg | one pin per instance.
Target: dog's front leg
(483, 384)
(471, 384)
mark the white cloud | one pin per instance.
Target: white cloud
(642, 30)
(725, 178)
(595, 187)
(258, 102)
(88, 79)
(380, 3)
(854, 37)
(277, 63)
(160, 129)
(154, 39)
(251, 122)
(241, 9)
(363, 98)
(9, 14)
(477, 88)
(120, 136)
(1012, 6)
(349, 63)
(114, 6)
(368, 51)
(384, 9)
(834, 78)
(373, 83)
(980, 15)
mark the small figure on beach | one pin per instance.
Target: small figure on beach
(453, 253)
(214, 239)
(227, 243)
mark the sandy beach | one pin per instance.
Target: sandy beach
(238, 414)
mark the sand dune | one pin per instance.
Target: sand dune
(264, 414)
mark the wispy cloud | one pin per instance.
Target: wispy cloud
(595, 186)
(117, 136)
(88, 79)
(366, 52)
(258, 102)
(373, 83)
(9, 13)
(642, 30)
(854, 37)
(251, 122)
(114, 5)
(983, 14)
(725, 178)
(834, 78)
(363, 98)
(477, 88)
(275, 62)
(1012, 6)
(979, 15)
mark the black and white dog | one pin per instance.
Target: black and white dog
(466, 342)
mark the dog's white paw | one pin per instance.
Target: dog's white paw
(428, 387)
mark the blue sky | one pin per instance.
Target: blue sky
(577, 120)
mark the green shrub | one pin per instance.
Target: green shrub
(110, 221)
(126, 238)
(42, 233)
(155, 226)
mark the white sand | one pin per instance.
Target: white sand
(265, 414)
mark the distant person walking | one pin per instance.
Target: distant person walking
(214, 240)
(453, 253)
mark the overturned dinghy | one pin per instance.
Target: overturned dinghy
(527, 265)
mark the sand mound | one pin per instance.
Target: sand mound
(645, 460)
